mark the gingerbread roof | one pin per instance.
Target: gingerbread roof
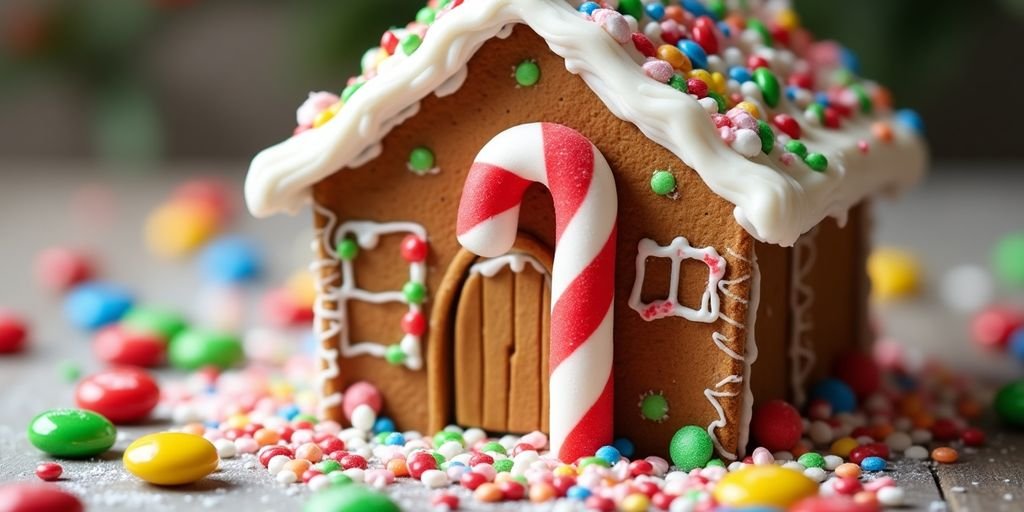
(773, 122)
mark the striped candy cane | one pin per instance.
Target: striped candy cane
(583, 277)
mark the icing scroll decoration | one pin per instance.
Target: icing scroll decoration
(367, 235)
(514, 261)
(327, 321)
(677, 251)
(801, 298)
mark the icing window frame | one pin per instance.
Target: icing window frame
(677, 251)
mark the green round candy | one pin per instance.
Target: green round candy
(767, 137)
(426, 15)
(381, 436)
(756, 25)
(718, 99)
(495, 447)
(338, 478)
(69, 371)
(194, 349)
(588, 461)
(527, 73)
(817, 111)
(678, 83)
(768, 84)
(446, 436)
(328, 466)
(863, 98)
(816, 161)
(71, 433)
(691, 448)
(165, 324)
(797, 148)
(812, 460)
(438, 458)
(421, 160)
(394, 354)
(654, 407)
(350, 498)
(414, 292)
(503, 465)
(350, 90)
(717, 8)
(411, 43)
(1008, 259)
(634, 8)
(716, 462)
(1009, 403)
(663, 183)
(348, 249)
(310, 418)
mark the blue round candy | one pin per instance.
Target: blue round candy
(910, 118)
(625, 447)
(696, 8)
(395, 439)
(694, 52)
(837, 393)
(288, 412)
(577, 492)
(1016, 344)
(383, 424)
(873, 464)
(849, 59)
(589, 7)
(725, 29)
(93, 305)
(231, 260)
(740, 74)
(609, 454)
(655, 11)
(821, 98)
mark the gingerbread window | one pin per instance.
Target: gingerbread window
(677, 252)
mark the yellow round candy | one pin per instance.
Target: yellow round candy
(843, 446)
(635, 503)
(750, 107)
(170, 458)
(771, 486)
(565, 471)
(788, 19)
(237, 421)
(674, 57)
(326, 115)
(702, 75)
(718, 82)
(301, 287)
(179, 227)
(894, 273)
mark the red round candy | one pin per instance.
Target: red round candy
(389, 41)
(756, 61)
(992, 327)
(562, 484)
(945, 429)
(640, 467)
(787, 125)
(331, 445)
(847, 485)
(13, 333)
(353, 461)
(858, 454)
(859, 371)
(973, 436)
(281, 309)
(49, 471)
(36, 497)
(801, 80)
(420, 462)
(662, 501)
(512, 490)
(269, 452)
(705, 37)
(308, 475)
(471, 480)
(123, 395)
(697, 87)
(445, 499)
(643, 45)
(480, 458)
(832, 118)
(646, 487)
(59, 269)
(414, 249)
(780, 35)
(116, 344)
(776, 425)
(213, 194)
(833, 504)
(599, 503)
(414, 323)
(360, 393)
(522, 447)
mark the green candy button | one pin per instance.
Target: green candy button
(71, 433)
(165, 324)
(350, 498)
(194, 349)
(691, 448)
(1009, 403)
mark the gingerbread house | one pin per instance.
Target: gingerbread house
(591, 220)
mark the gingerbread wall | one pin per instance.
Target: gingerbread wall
(672, 356)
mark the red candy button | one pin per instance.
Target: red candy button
(13, 332)
(37, 498)
(118, 345)
(776, 425)
(123, 395)
(58, 269)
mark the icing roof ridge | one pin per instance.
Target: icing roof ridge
(781, 185)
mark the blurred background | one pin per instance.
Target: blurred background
(153, 81)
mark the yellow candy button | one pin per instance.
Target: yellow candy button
(170, 458)
(771, 486)
(894, 273)
(179, 227)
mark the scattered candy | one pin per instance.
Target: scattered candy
(945, 455)
(350, 498)
(122, 395)
(691, 447)
(765, 486)
(361, 393)
(95, 304)
(26, 497)
(178, 228)
(120, 345)
(13, 332)
(231, 259)
(58, 269)
(1008, 259)
(1009, 403)
(894, 273)
(992, 327)
(49, 471)
(194, 349)
(71, 433)
(776, 425)
(837, 393)
(170, 458)
(967, 288)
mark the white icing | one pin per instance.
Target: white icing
(775, 202)
(514, 261)
(801, 298)
(326, 322)
(677, 251)
(367, 235)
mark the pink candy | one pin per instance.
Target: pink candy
(360, 393)
(658, 69)
(58, 269)
(316, 102)
(613, 23)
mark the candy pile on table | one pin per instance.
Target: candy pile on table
(760, 76)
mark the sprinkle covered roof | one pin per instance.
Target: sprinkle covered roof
(778, 124)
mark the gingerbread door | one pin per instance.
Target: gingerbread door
(501, 338)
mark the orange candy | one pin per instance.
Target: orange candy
(297, 466)
(266, 437)
(848, 470)
(880, 432)
(398, 467)
(541, 492)
(866, 498)
(675, 13)
(882, 131)
(945, 455)
(799, 449)
(488, 493)
(969, 408)
(674, 57)
(310, 452)
(194, 428)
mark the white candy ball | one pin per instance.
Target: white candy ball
(319, 482)
(286, 477)
(473, 436)
(816, 474)
(276, 463)
(747, 143)
(898, 441)
(832, 462)
(363, 417)
(225, 449)
(890, 496)
(434, 479)
(820, 433)
(916, 452)
(967, 288)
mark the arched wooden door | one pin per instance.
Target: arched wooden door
(501, 339)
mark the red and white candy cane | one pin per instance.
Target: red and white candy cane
(583, 277)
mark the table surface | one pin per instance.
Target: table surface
(954, 218)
